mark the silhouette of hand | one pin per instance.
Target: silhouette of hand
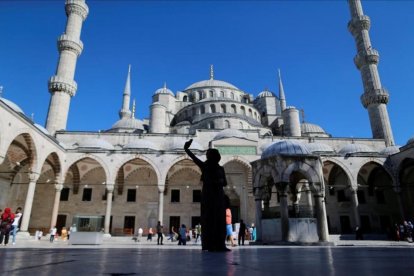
(188, 144)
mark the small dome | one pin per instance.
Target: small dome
(228, 133)
(285, 147)
(390, 150)
(128, 123)
(211, 83)
(95, 143)
(307, 128)
(178, 144)
(141, 144)
(265, 93)
(410, 141)
(12, 105)
(355, 148)
(164, 90)
(42, 129)
(319, 147)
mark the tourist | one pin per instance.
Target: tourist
(173, 234)
(159, 233)
(52, 233)
(213, 214)
(16, 223)
(64, 233)
(198, 232)
(182, 235)
(150, 233)
(229, 226)
(7, 219)
(72, 229)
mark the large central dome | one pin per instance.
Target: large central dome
(211, 83)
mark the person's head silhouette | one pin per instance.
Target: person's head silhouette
(213, 155)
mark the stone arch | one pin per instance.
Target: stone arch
(27, 144)
(144, 158)
(307, 170)
(101, 162)
(53, 160)
(341, 165)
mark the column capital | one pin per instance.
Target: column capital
(110, 188)
(33, 176)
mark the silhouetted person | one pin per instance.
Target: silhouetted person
(213, 212)
(358, 233)
(242, 232)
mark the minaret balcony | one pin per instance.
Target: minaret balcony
(68, 43)
(375, 96)
(370, 56)
(78, 7)
(59, 84)
(358, 24)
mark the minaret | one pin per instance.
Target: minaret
(62, 85)
(125, 112)
(375, 97)
(281, 93)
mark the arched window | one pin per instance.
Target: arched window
(222, 94)
(194, 111)
(250, 113)
(243, 110)
(226, 124)
(212, 108)
(210, 125)
(200, 95)
(232, 95)
(211, 92)
(202, 109)
(233, 108)
(223, 108)
(185, 99)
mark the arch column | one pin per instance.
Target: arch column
(161, 190)
(58, 190)
(308, 193)
(28, 204)
(355, 204)
(110, 192)
(284, 212)
(320, 209)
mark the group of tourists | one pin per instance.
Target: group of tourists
(403, 231)
(9, 224)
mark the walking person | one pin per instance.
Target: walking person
(140, 231)
(242, 232)
(213, 211)
(150, 233)
(159, 233)
(173, 234)
(229, 226)
(7, 219)
(16, 223)
(72, 229)
(198, 232)
(53, 231)
(182, 235)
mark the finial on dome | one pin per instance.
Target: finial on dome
(211, 72)
(133, 109)
(165, 85)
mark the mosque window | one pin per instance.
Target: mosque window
(213, 108)
(211, 93)
(223, 108)
(175, 196)
(196, 196)
(250, 113)
(202, 109)
(226, 124)
(210, 125)
(233, 108)
(194, 111)
(87, 194)
(131, 195)
(243, 110)
(185, 99)
(200, 94)
(232, 95)
(222, 94)
(64, 194)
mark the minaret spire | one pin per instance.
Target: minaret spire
(211, 72)
(375, 97)
(125, 112)
(62, 85)
(282, 97)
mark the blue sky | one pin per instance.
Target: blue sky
(176, 41)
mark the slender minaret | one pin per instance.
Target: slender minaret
(125, 112)
(62, 85)
(282, 97)
(375, 97)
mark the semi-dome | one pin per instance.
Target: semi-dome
(390, 150)
(129, 124)
(211, 83)
(95, 143)
(308, 128)
(228, 133)
(12, 105)
(265, 93)
(319, 147)
(141, 144)
(285, 147)
(164, 90)
(355, 148)
(178, 144)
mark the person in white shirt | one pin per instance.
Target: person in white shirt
(15, 224)
(53, 231)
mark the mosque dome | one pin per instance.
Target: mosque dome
(95, 143)
(265, 93)
(164, 90)
(285, 147)
(308, 128)
(178, 144)
(355, 148)
(211, 83)
(141, 144)
(12, 105)
(319, 147)
(228, 133)
(390, 150)
(129, 123)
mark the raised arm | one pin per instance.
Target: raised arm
(192, 156)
